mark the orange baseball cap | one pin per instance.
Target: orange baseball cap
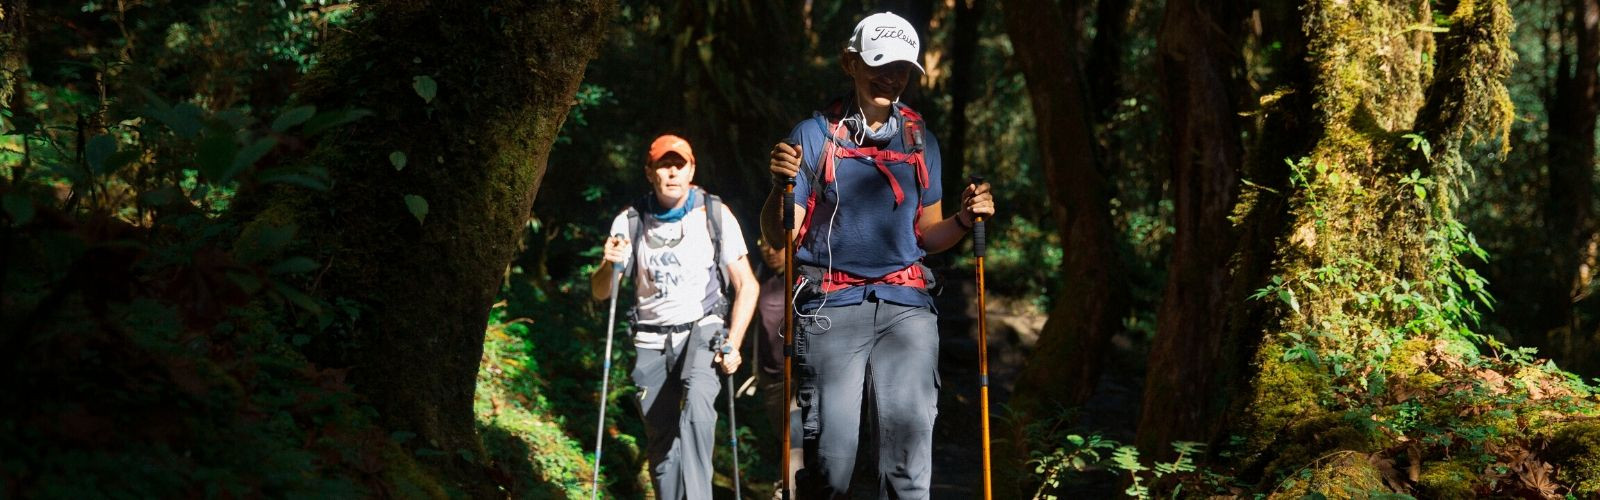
(669, 143)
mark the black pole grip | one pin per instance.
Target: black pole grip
(979, 240)
(788, 206)
(788, 196)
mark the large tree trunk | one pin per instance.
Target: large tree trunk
(1199, 63)
(505, 72)
(1569, 206)
(1093, 299)
(963, 56)
(1368, 313)
(1090, 306)
(1104, 66)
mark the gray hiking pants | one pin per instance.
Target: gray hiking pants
(677, 388)
(883, 354)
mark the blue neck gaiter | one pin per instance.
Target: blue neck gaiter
(675, 214)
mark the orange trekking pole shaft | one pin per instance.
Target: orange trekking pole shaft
(788, 327)
(978, 249)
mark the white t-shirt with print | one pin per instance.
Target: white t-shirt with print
(674, 270)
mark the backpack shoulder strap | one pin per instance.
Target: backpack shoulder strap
(714, 223)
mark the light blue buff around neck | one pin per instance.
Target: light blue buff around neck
(862, 134)
(675, 214)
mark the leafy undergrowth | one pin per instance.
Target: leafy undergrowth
(531, 453)
(150, 362)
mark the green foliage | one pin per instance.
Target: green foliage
(417, 206)
(153, 349)
(520, 428)
(398, 159)
(426, 88)
(1084, 453)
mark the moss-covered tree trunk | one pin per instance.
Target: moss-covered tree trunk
(1569, 202)
(473, 95)
(1198, 47)
(1369, 376)
(13, 52)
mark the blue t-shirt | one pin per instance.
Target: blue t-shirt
(870, 236)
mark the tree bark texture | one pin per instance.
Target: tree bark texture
(1199, 68)
(504, 73)
(963, 56)
(1104, 66)
(1093, 299)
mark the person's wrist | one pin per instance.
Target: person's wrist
(962, 221)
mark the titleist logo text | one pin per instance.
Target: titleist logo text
(891, 32)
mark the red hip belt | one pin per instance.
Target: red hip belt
(910, 276)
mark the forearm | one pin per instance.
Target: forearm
(747, 292)
(600, 281)
(939, 233)
(772, 229)
(744, 305)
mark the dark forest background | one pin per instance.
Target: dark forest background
(1333, 248)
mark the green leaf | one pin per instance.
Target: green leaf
(247, 282)
(313, 177)
(1422, 192)
(417, 206)
(295, 265)
(19, 207)
(183, 119)
(292, 117)
(398, 159)
(329, 119)
(215, 155)
(298, 298)
(1288, 298)
(100, 148)
(249, 156)
(425, 87)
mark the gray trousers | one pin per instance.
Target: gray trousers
(883, 354)
(677, 388)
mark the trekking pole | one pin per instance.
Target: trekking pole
(788, 323)
(605, 379)
(721, 346)
(978, 250)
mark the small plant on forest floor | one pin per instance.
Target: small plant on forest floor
(1092, 451)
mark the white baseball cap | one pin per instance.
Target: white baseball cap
(884, 38)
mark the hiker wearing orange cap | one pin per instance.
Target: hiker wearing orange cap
(685, 249)
(865, 174)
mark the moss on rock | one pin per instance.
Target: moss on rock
(1341, 475)
(1446, 481)
(1575, 450)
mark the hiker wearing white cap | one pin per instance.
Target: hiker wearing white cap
(685, 248)
(866, 175)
